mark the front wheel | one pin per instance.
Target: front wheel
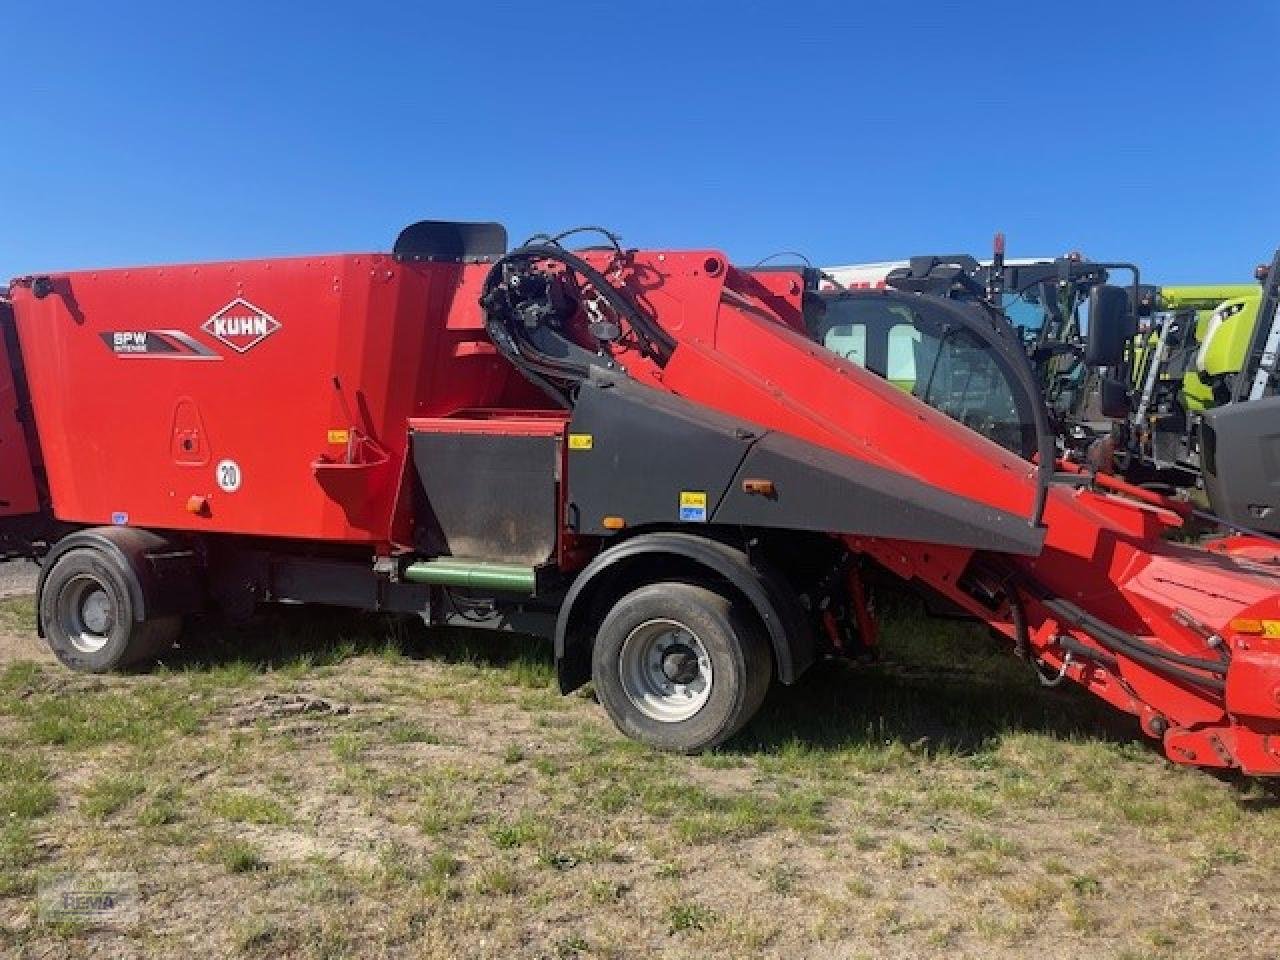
(87, 615)
(677, 667)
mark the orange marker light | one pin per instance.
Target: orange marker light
(613, 523)
(761, 488)
(1245, 626)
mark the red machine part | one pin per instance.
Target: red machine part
(18, 493)
(1104, 551)
(274, 392)
(277, 396)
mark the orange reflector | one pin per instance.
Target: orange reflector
(762, 488)
(197, 505)
(1245, 626)
(613, 523)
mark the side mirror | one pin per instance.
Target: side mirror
(1113, 399)
(1111, 325)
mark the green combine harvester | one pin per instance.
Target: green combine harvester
(1185, 362)
(1240, 439)
(1192, 398)
(1178, 395)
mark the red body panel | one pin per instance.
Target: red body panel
(313, 414)
(18, 494)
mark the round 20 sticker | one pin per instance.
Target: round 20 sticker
(228, 475)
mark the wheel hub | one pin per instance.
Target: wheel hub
(680, 664)
(95, 611)
(665, 670)
(86, 613)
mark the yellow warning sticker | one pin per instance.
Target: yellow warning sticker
(1271, 628)
(339, 436)
(579, 441)
(693, 506)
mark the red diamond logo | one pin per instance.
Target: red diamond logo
(241, 325)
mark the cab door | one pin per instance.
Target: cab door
(916, 343)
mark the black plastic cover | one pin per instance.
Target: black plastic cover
(818, 489)
(1240, 459)
(651, 455)
(654, 458)
(450, 241)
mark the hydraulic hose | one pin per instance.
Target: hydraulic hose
(1018, 615)
(1104, 631)
(1074, 646)
(557, 375)
(658, 339)
(1159, 661)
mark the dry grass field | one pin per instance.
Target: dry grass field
(323, 785)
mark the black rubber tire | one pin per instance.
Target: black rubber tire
(741, 665)
(129, 643)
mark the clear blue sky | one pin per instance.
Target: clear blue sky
(143, 133)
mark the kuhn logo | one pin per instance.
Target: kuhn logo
(241, 325)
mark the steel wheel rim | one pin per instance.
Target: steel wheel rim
(650, 654)
(86, 613)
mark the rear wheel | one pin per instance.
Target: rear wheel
(677, 667)
(87, 615)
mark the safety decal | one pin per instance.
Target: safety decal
(580, 441)
(228, 475)
(241, 325)
(339, 436)
(693, 506)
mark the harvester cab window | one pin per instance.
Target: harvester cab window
(941, 363)
(959, 375)
(848, 340)
(909, 352)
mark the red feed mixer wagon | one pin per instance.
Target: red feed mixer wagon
(638, 453)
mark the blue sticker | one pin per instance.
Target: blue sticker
(693, 506)
(120, 519)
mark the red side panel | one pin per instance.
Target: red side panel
(265, 397)
(17, 478)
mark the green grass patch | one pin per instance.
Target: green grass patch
(528, 829)
(406, 731)
(20, 675)
(17, 845)
(143, 715)
(236, 855)
(686, 915)
(348, 747)
(18, 613)
(740, 816)
(107, 795)
(25, 788)
(437, 879)
(242, 807)
(162, 808)
(500, 879)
